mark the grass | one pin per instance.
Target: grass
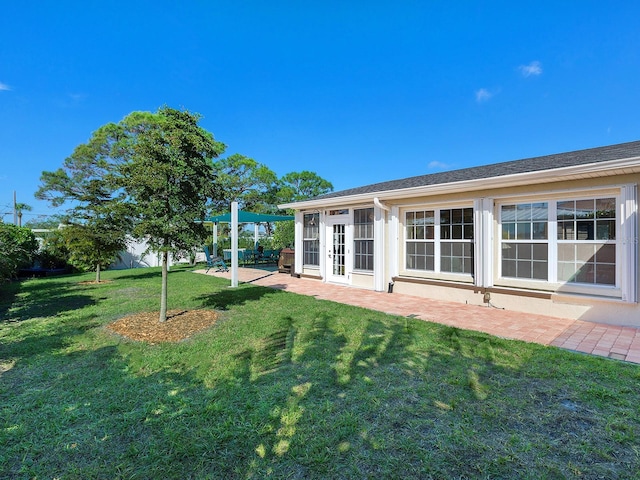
(287, 386)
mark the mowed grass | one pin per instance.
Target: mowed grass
(287, 386)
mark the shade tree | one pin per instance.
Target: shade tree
(169, 180)
(87, 185)
(246, 181)
(296, 186)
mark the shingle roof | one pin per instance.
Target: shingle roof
(527, 165)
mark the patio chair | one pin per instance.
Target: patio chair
(259, 254)
(270, 256)
(215, 262)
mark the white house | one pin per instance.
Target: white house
(555, 235)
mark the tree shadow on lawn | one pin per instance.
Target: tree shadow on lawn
(47, 339)
(144, 273)
(91, 413)
(150, 272)
(34, 299)
(310, 399)
(90, 418)
(228, 297)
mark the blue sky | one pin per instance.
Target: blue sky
(358, 91)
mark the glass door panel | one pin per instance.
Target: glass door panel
(339, 241)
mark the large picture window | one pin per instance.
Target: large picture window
(363, 239)
(311, 240)
(584, 247)
(586, 241)
(439, 240)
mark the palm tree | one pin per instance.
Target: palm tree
(19, 208)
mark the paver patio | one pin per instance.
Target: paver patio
(621, 343)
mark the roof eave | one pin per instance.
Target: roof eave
(612, 167)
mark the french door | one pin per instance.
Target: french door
(337, 253)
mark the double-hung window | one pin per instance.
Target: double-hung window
(439, 240)
(311, 240)
(420, 240)
(456, 240)
(525, 241)
(363, 239)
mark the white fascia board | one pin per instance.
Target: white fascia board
(612, 167)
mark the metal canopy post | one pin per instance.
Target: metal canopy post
(234, 244)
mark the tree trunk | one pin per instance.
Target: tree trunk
(163, 294)
(98, 273)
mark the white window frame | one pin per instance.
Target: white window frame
(530, 240)
(370, 238)
(625, 286)
(436, 273)
(315, 238)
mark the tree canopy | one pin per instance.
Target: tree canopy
(168, 179)
(302, 185)
(296, 186)
(87, 184)
(246, 181)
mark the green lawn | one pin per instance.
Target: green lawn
(287, 386)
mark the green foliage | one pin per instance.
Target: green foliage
(292, 187)
(90, 245)
(296, 186)
(53, 251)
(53, 256)
(168, 178)
(87, 177)
(18, 247)
(20, 208)
(51, 222)
(284, 234)
(246, 181)
(88, 181)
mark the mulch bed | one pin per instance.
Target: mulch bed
(180, 325)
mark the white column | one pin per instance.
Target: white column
(394, 244)
(322, 230)
(256, 235)
(379, 250)
(297, 265)
(234, 244)
(483, 242)
(214, 233)
(627, 259)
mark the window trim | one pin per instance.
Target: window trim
(436, 274)
(552, 284)
(531, 240)
(371, 239)
(315, 239)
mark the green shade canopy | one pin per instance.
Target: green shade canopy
(249, 217)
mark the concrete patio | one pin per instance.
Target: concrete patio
(620, 343)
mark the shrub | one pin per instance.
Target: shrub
(18, 247)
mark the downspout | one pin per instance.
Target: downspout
(380, 246)
(379, 204)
